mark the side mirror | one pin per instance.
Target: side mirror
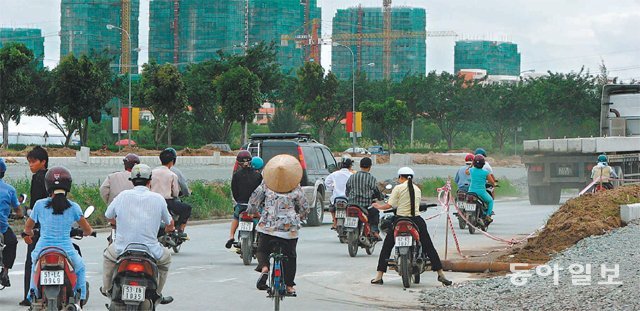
(332, 168)
(22, 198)
(89, 211)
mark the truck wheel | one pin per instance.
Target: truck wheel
(317, 212)
(535, 195)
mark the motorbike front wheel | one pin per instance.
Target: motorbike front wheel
(405, 271)
(246, 249)
(352, 243)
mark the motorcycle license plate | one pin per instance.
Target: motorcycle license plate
(351, 222)
(404, 240)
(341, 213)
(133, 293)
(52, 277)
(469, 207)
(246, 226)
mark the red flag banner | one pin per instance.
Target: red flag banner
(124, 124)
(349, 123)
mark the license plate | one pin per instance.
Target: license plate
(404, 240)
(246, 226)
(351, 222)
(341, 213)
(565, 171)
(52, 277)
(133, 293)
(469, 207)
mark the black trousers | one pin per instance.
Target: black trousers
(28, 263)
(427, 246)
(9, 252)
(181, 209)
(289, 264)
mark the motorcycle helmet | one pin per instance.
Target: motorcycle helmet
(140, 171)
(58, 178)
(481, 151)
(478, 161)
(404, 171)
(257, 163)
(243, 156)
(130, 160)
(167, 155)
(468, 159)
(603, 158)
(3, 167)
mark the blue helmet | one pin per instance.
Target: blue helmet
(603, 158)
(257, 163)
(3, 166)
(481, 152)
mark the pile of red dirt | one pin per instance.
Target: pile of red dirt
(579, 218)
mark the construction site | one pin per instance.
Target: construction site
(83, 30)
(497, 58)
(31, 38)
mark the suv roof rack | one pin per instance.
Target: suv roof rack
(296, 136)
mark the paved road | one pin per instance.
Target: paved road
(206, 276)
(87, 174)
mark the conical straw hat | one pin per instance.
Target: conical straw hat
(282, 173)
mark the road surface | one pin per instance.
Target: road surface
(206, 276)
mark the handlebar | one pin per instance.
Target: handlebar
(423, 207)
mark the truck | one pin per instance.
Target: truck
(556, 164)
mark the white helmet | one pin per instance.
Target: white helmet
(140, 171)
(405, 171)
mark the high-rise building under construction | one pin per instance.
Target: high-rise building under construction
(497, 58)
(84, 29)
(30, 37)
(362, 30)
(192, 31)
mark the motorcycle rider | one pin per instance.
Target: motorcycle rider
(38, 159)
(602, 172)
(479, 178)
(138, 213)
(462, 179)
(119, 181)
(166, 183)
(257, 164)
(243, 182)
(56, 216)
(337, 182)
(362, 190)
(8, 202)
(406, 198)
(285, 206)
(182, 181)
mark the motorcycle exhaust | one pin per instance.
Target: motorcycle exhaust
(365, 241)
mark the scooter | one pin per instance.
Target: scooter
(341, 213)
(475, 210)
(135, 281)
(407, 259)
(461, 199)
(55, 277)
(247, 243)
(359, 234)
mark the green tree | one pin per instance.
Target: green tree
(285, 120)
(317, 94)
(165, 95)
(389, 116)
(238, 92)
(411, 91)
(16, 87)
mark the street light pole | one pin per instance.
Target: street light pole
(353, 86)
(129, 74)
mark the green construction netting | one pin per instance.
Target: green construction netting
(31, 38)
(497, 58)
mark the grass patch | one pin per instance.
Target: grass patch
(207, 199)
(428, 187)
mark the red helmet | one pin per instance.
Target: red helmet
(478, 161)
(58, 178)
(468, 158)
(130, 160)
(244, 157)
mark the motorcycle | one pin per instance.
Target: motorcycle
(171, 240)
(13, 215)
(475, 210)
(358, 230)
(408, 260)
(135, 281)
(247, 243)
(341, 213)
(461, 198)
(55, 277)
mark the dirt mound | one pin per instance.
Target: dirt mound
(578, 218)
(195, 152)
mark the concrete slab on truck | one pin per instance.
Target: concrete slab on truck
(617, 144)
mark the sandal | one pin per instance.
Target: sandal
(229, 243)
(377, 282)
(291, 294)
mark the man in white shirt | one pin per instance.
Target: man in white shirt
(166, 183)
(138, 213)
(337, 182)
(119, 181)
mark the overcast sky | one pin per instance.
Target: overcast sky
(551, 35)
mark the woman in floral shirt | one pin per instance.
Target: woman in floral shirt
(284, 207)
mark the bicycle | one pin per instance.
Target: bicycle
(277, 288)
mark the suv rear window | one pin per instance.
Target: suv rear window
(269, 151)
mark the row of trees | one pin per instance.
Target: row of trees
(201, 102)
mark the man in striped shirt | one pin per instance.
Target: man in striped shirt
(362, 190)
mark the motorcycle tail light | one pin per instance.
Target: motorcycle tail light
(53, 260)
(134, 283)
(136, 267)
(245, 216)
